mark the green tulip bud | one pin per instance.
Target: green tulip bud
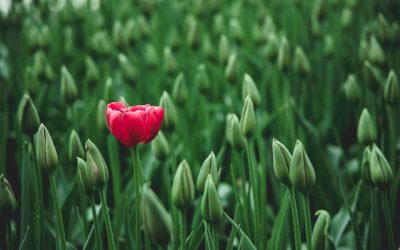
(100, 43)
(381, 172)
(101, 116)
(92, 74)
(46, 153)
(365, 166)
(97, 167)
(82, 177)
(218, 24)
(173, 39)
(8, 203)
(234, 133)
(192, 36)
(375, 52)
(201, 78)
(372, 76)
(169, 61)
(281, 161)
(223, 49)
(302, 175)
(351, 89)
(300, 61)
(31, 82)
(119, 36)
(391, 92)
(284, 54)
(151, 57)
(28, 117)
(159, 146)
(248, 118)
(270, 50)
(68, 87)
(144, 26)
(41, 66)
(170, 113)
(232, 68)
(383, 28)
(329, 45)
(209, 167)
(129, 72)
(208, 48)
(346, 17)
(228, 131)
(132, 30)
(236, 30)
(249, 88)
(75, 148)
(366, 130)
(157, 222)
(211, 207)
(320, 235)
(183, 187)
(109, 90)
(179, 90)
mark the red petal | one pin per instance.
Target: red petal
(134, 123)
(154, 122)
(118, 128)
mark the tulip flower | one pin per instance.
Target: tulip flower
(134, 125)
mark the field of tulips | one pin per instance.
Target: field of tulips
(199, 124)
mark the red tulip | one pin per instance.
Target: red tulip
(134, 125)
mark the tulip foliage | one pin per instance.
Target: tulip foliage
(201, 124)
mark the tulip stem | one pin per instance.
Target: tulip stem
(306, 203)
(389, 226)
(214, 230)
(373, 232)
(96, 223)
(9, 235)
(138, 182)
(59, 220)
(38, 204)
(295, 218)
(104, 208)
(183, 229)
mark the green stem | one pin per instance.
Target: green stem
(183, 229)
(175, 215)
(138, 182)
(295, 218)
(9, 235)
(96, 224)
(59, 220)
(389, 226)
(38, 204)
(104, 208)
(115, 169)
(307, 218)
(373, 227)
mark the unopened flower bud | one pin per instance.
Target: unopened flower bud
(109, 90)
(183, 187)
(284, 55)
(372, 76)
(223, 49)
(159, 146)
(192, 36)
(211, 207)
(375, 52)
(8, 203)
(281, 161)
(92, 74)
(351, 89)
(97, 167)
(119, 36)
(151, 57)
(75, 148)
(300, 61)
(201, 78)
(391, 92)
(68, 87)
(169, 61)
(209, 167)
(46, 153)
(320, 236)
(157, 222)
(248, 118)
(381, 172)
(365, 166)
(234, 132)
(249, 88)
(179, 90)
(28, 117)
(31, 82)
(346, 17)
(129, 72)
(101, 117)
(170, 113)
(100, 43)
(329, 45)
(236, 30)
(302, 174)
(232, 68)
(82, 177)
(366, 130)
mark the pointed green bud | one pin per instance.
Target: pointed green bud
(144, 26)
(218, 25)
(101, 116)
(270, 50)
(281, 161)
(320, 236)
(41, 66)
(8, 203)
(209, 167)
(284, 54)
(211, 207)
(248, 118)
(170, 113)
(179, 90)
(234, 132)
(236, 30)
(82, 178)
(366, 130)
(31, 82)
(92, 74)
(129, 72)
(381, 172)
(249, 88)
(100, 43)
(375, 52)
(192, 35)
(302, 174)
(132, 30)
(391, 92)
(160, 146)
(365, 166)
(157, 222)
(75, 148)
(382, 28)
(97, 167)
(46, 153)
(346, 17)
(300, 61)
(151, 57)
(68, 87)
(351, 89)
(208, 48)
(119, 36)
(372, 76)
(109, 90)
(169, 61)
(202, 79)
(173, 39)
(329, 45)
(223, 49)
(228, 131)
(183, 187)
(28, 117)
